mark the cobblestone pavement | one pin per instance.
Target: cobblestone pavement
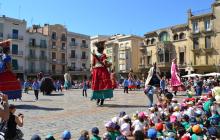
(71, 111)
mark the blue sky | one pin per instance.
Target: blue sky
(104, 17)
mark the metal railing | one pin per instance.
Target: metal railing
(15, 36)
(17, 53)
(73, 44)
(84, 45)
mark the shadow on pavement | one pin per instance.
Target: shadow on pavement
(34, 107)
(58, 94)
(122, 106)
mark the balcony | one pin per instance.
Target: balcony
(18, 53)
(73, 44)
(62, 49)
(141, 66)
(196, 50)
(63, 38)
(84, 57)
(54, 47)
(43, 58)
(195, 34)
(32, 45)
(43, 46)
(15, 37)
(84, 46)
(32, 57)
(53, 38)
(164, 64)
(72, 57)
(57, 61)
(209, 49)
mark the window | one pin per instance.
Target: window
(195, 43)
(73, 40)
(122, 67)
(175, 37)
(84, 43)
(73, 65)
(127, 55)
(182, 36)
(153, 41)
(149, 60)
(32, 42)
(83, 55)
(42, 54)
(207, 25)
(14, 49)
(63, 37)
(63, 56)
(181, 57)
(208, 42)
(43, 43)
(83, 65)
(63, 68)
(54, 36)
(63, 46)
(161, 57)
(148, 42)
(53, 44)
(14, 34)
(32, 53)
(167, 56)
(122, 55)
(53, 55)
(32, 66)
(73, 54)
(53, 67)
(195, 27)
(14, 64)
(164, 36)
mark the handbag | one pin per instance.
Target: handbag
(19, 134)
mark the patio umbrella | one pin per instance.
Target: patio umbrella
(192, 75)
(212, 74)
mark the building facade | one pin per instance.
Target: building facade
(195, 44)
(123, 52)
(15, 30)
(78, 55)
(36, 52)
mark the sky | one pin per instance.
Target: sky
(104, 17)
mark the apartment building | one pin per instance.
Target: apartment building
(15, 29)
(194, 44)
(78, 55)
(36, 54)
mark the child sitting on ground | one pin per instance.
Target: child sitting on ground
(95, 134)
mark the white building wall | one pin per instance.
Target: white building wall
(6, 27)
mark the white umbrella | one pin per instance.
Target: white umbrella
(212, 74)
(192, 75)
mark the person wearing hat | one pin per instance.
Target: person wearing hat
(169, 132)
(101, 82)
(176, 83)
(197, 132)
(95, 134)
(84, 135)
(66, 135)
(35, 137)
(49, 137)
(159, 128)
(185, 121)
(110, 128)
(152, 133)
(126, 127)
(12, 90)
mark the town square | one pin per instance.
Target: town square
(109, 70)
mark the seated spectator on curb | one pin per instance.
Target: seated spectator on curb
(49, 137)
(35, 137)
(14, 120)
(84, 135)
(4, 113)
(95, 134)
(126, 127)
(66, 135)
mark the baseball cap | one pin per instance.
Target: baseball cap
(196, 129)
(66, 135)
(152, 133)
(110, 124)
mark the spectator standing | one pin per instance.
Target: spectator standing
(126, 84)
(36, 88)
